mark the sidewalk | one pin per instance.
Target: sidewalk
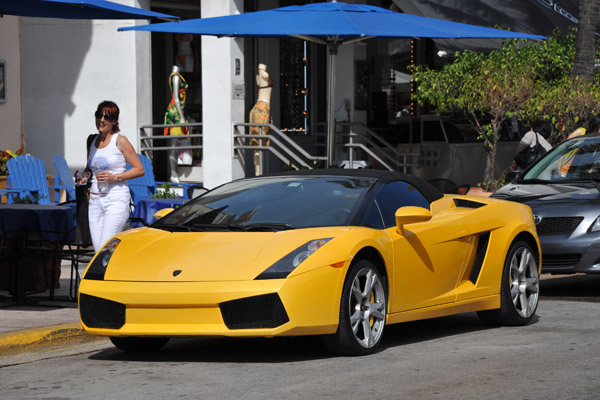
(41, 322)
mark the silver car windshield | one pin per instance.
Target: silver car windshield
(273, 203)
(576, 159)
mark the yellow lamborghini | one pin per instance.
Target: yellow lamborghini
(337, 253)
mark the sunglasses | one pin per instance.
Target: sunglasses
(106, 116)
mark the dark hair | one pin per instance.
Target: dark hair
(543, 127)
(113, 109)
(593, 125)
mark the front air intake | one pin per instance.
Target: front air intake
(264, 311)
(557, 225)
(97, 312)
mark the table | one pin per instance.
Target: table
(47, 222)
(146, 208)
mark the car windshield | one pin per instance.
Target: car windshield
(574, 160)
(271, 203)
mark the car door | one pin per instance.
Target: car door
(428, 257)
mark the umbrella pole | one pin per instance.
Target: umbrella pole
(332, 47)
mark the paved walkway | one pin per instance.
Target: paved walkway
(40, 321)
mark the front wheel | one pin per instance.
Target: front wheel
(520, 288)
(363, 309)
(138, 344)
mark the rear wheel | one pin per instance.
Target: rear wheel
(520, 289)
(363, 309)
(138, 344)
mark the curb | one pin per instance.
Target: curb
(32, 339)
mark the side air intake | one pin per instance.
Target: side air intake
(482, 246)
(467, 203)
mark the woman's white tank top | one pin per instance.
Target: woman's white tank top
(109, 159)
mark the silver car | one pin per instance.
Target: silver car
(563, 191)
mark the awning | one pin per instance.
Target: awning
(538, 17)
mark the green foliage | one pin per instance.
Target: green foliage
(528, 80)
(33, 199)
(166, 193)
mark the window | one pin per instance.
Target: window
(395, 195)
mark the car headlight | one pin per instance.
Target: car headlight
(595, 226)
(288, 263)
(97, 269)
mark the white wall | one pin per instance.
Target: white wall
(219, 109)
(10, 110)
(69, 66)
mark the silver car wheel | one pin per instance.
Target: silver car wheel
(367, 307)
(524, 282)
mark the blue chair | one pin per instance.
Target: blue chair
(145, 186)
(63, 176)
(27, 177)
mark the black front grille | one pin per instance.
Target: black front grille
(97, 312)
(467, 203)
(264, 311)
(482, 246)
(557, 225)
(559, 260)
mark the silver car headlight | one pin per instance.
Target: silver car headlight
(595, 226)
(288, 263)
(98, 267)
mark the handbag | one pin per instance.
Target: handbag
(82, 198)
(529, 155)
(82, 231)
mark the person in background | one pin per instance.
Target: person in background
(108, 154)
(593, 126)
(539, 132)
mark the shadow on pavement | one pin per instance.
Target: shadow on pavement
(292, 349)
(571, 287)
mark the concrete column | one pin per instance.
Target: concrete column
(220, 105)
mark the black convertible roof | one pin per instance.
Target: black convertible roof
(430, 192)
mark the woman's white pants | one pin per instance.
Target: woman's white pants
(107, 216)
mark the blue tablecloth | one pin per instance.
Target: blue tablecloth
(51, 222)
(146, 208)
(23, 222)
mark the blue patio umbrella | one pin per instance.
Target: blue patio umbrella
(332, 24)
(77, 9)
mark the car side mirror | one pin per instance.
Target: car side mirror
(161, 213)
(410, 215)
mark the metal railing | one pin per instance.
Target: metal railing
(361, 143)
(355, 136)
(280, 145)
(146, 145)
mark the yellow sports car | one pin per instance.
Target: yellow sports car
(337, 253)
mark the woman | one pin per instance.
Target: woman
(108, 154)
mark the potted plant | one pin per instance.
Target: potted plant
(6, 155)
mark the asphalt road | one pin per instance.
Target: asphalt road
(556, 357)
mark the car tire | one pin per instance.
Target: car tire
(363, 309)
(519, 293)
(138, 344)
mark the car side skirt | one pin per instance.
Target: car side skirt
(479, 304)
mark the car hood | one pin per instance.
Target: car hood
(550, 194)
(152, 255)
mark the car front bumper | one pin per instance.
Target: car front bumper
(310, 304)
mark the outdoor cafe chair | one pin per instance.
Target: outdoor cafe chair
(64, 177)
(145, 187)
(27, 178)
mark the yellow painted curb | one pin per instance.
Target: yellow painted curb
(27, 339)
